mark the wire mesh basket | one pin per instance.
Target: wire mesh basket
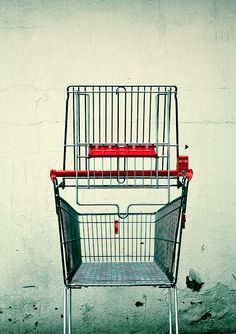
(105, 249)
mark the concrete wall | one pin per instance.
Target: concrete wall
(46, 45)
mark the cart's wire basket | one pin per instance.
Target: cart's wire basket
(121, 136)
(105, 249)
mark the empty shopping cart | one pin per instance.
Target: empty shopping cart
(121, 139)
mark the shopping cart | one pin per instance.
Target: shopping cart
(119, 138)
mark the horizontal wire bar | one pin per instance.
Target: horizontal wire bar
(120, 144)
(124, 92)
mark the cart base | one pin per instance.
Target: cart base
(119, 274)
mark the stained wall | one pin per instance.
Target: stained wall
(47, 45)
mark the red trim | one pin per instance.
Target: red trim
(183, 166)
(182, 163)
(103, 151)
(116, 224)
(53, 174)
(107, 173)
(183, 220)
(182, 169)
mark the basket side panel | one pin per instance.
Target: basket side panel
(167, 234)
(70, 238)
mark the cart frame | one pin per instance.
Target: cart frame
(121, 137)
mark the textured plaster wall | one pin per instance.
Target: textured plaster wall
(46, 45)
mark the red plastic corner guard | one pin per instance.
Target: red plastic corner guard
(183, 167)
(53, 174)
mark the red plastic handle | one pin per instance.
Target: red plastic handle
(145, 151)
(116, 222)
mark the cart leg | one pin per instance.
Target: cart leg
(170, 310)
(65, 311)
(176, 310)
(70, 316)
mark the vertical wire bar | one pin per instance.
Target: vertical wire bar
(125, 120)
(146, 241)
(164, 130)
(153, 240)
(76, 148)
(84, 237)
(168, 145)
(105, 114)
(102, 172)
(118, 170)
(177, 125)
(73, 124)
(111, 244)
(93, 240)
(85, 127)
(127, 168)
(157, 133)
(88, 238)
(118, 116)
(143, 171)
(65, 311)
(66, 129)
(170, 310)
(110, 172)
(114, 238)
(136, 237)
(150, 235)
(94, 168)
(176, 310)
(121, 235)
(151, 170)
(131, 113)
(99, 115)
(132, 236)
(106, 236)
(93, 116)
(137, 114)
(79, 130)
(70, 315)
(128, 238)
(102, 237)
(88, 140)
(150, 115)
(97, 235)
(135, 178)
(141, 239)
(112, 115)
(119, 239)
(124, 239)
(144, 111)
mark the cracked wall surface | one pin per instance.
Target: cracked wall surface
(46, 46)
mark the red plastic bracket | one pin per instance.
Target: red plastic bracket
(183, 220)
(53, 174)
(116, 222)
(115, 151)
(183, 167)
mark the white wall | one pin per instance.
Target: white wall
(47, 45)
